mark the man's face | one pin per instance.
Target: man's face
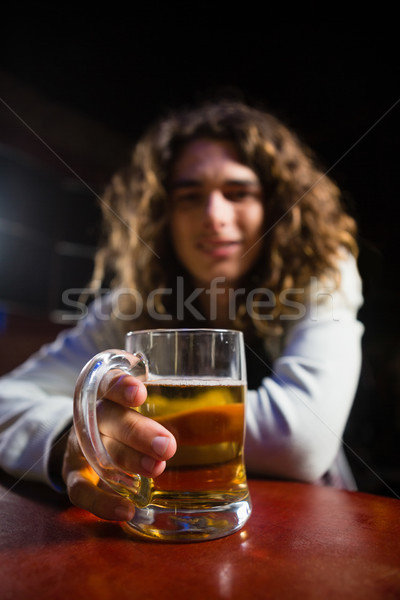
(217, 212)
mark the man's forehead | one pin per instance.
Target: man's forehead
(205, 159)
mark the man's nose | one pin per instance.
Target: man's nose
(218, 209)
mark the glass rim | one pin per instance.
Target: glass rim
(184, 330)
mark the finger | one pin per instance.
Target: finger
(82, 486)
(122, 388)
(132, 461)
(103, 503)
(135, 431)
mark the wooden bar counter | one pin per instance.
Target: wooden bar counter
(302, 541)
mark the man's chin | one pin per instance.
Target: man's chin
(220, 280)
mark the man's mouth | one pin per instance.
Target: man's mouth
(218, 248)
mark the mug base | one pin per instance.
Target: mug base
(159, 523)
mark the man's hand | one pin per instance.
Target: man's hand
(134, 442)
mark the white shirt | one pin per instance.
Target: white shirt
(294, 421)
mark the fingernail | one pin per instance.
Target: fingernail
(130, 392)
(160, 445)
(123, 513)
(148, 463)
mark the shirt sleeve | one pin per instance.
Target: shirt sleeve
(36, 399)
(296, 419)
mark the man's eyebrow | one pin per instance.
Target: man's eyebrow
(249, 182)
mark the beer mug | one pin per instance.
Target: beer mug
(196, 388)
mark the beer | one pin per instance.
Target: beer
(207, 420)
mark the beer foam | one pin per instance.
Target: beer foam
(198, 381)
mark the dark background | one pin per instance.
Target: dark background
(77, 90)
(336, 84)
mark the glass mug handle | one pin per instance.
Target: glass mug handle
(131, 485)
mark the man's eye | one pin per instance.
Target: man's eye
(238, 195)
(188, 197)
(241, 195)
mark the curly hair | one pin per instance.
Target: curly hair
(305, 229)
